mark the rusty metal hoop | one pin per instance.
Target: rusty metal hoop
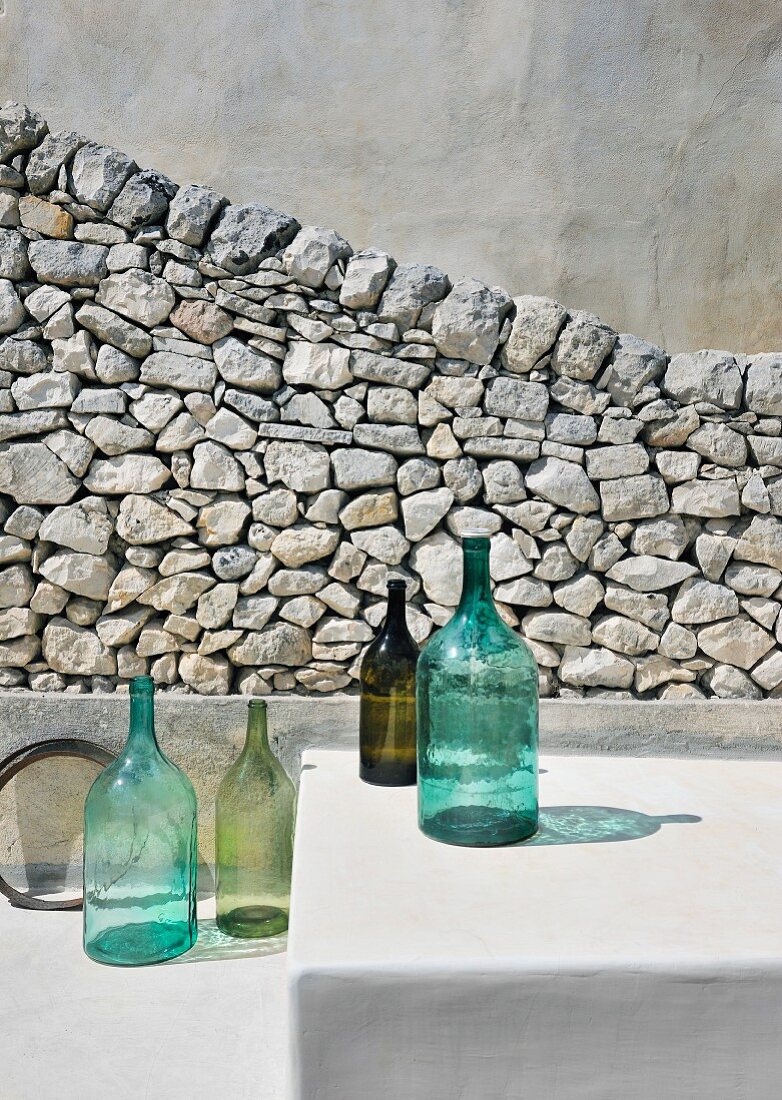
(31, 754)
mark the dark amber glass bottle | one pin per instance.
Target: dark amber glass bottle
(387, 713)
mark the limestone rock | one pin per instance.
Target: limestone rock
(624, 635)
(240, 365)
(365, 278)
(20, 129)
(559, 627)
(707, 499)
(582, 347)
(138, 295)
(739, 642)
(369, 510)
(719, 444)
(582, 667)
(312, 253)
(85, 526)
(423, 511)
(511, 397)
(83, 574)
(624, 460)
(579, 595)
(355, 468)
(11, 309)
(201, 321)
(127, 473)
(75, 651)
(98, 173)
(246, 235)
(704, 376)
(535, 328)
(296, 546)
(763, 386)
(68, 263)
(214, 467)
(410, 288)
(663, 537)
(191, 212)
(303, 467)
(180, 372)
(634, 364)
(143, 520)
(32, 474)
(633, 497)
(650, 574)
(279, 644)
(322, 366)
(13, 260)
(564, 484)
(466, 323)
(761, 542)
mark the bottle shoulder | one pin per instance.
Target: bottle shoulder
(466, 638)
(133, 773)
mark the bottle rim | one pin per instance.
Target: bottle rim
(142, 685)
(256, 704)
(476, 533)
(395, 583)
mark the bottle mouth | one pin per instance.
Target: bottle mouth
(142, 685)
(476, 533)
(257, 704)
(395, 584)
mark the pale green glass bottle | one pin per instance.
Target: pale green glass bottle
(477, 720)
(255, 811)
(140, 850)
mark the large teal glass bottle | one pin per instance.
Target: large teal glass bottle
(140, 850)
(477, 719)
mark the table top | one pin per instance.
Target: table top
(607, 881)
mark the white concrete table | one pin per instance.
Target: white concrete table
(210, 1025)
(613, 957)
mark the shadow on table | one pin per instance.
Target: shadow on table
(213, 945)
(599, 825)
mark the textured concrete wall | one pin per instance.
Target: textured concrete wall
(621, 154)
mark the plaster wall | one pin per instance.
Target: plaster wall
(621, 154)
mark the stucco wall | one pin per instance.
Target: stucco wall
(622, 155)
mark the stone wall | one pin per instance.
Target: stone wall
(220, 432)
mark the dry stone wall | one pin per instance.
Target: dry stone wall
(221, 432)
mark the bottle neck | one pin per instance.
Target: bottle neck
(395, 625)
(141, 735)
(257, 740)
(476, 585)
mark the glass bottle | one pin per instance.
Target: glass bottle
(387, 705)
(477, 721)
(140, 850)
(255, 811)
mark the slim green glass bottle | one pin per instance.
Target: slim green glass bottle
(477, 721)
(387, 704)
(255, 811)
(140, 850)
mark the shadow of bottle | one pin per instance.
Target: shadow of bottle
(599, 825)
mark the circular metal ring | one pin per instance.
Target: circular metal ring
(31, 754)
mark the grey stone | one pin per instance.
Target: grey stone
(180, 372)
(466, 323)
(85, 526)
(214, 467)
(761, 542)
(298, 545)
(303, 467)
(503, 483)
(387, 370)
(20, 129)
(763, 385)
(583, 667)
(655, 670)
(311, 254)
(624, 635)
(11, 309)
(97, 174)
(511, 397)
(571, 429)
(664, 537)
(704, 376)
(127, 473)
(138, 295)
(438, 561)
(45, 161)
(559, 627)
(719, 444)
(752, 580)
(308, 409)
(191, 212)
(391, 405)
(650, 574)
(366, 275)
(355, 469)
(708, 499)
(633, 497)
(44, 391)
(385, 544)
(201, 321)
(519, 450)
(624, 460)
(677, 466)
(398, 439)
(143, 200)
(701, 601)
(68, 263)
(76, 651)
(650, 608)
(242, 366)
(114, 330)
(76, 354)
(245, 235)
(13, 255)
(739, 642)
(524, 591)
(85, 574)
(143, 520)
(322, 366)
(564, 484)
(634, 363)
(535, 327)
(114, 366)
(582, 347)
(32, 474)
(280, 644)
(409, 289)
(580, 595)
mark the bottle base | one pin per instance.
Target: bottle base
(388, 775)
(253, 921)
(478, 827)
(141, 944)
